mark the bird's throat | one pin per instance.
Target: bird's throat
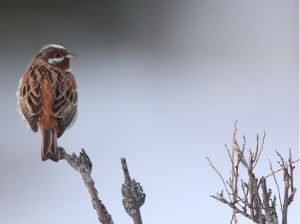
(65, 65)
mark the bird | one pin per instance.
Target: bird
(47, 97)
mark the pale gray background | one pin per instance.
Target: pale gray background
(161, 83)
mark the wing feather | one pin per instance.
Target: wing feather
(64, 106)
(31, 119)
(30, 95)
(29, 102)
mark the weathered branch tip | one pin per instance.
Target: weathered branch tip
(133, 194)
(83, 165)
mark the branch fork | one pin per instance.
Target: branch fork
(132, 191)
(83, 165)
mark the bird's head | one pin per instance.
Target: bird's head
(57, 56)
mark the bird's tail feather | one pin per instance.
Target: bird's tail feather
(49, 145)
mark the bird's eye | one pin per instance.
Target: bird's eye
(57, 55)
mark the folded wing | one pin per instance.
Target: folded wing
(29, 103)
(65, 104)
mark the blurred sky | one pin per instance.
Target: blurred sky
(161, 83)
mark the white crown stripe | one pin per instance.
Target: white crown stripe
(53, 46)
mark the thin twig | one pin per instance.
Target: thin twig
(292, 196)
(223, 200)
(291, 170)
(293, 190)
(276, 184)
(282, 168)
(257, 144)
(232, 169)
(246, 196)
(285, 201)
(228, 152)
(262, 145)
(232, 217)
(221, 178)
(242, 154)
(251, 185)
(280, 158)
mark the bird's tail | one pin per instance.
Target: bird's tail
(49, 145)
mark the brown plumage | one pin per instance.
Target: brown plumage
(47, 95)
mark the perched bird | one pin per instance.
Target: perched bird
(47, 96)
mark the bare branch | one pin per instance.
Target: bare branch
(228, 152)
(262, 145)
(257, 144)
(221, 178)
(255, 203)
(245, 194)
(270, 210)
(83, 165)
(133, 195)
(287, 180)
(251, 185)
(282, 165)
(232, 218)
(223, 200)
(241, 154)
(276, 184)
(291, 198)
(291, 170)
(282, 168)
(286, 201)
(232, 169)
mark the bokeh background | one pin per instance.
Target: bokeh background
(161, 83)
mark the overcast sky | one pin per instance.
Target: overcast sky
(160, 83)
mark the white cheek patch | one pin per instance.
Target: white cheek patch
(54, 61)
(68, 70)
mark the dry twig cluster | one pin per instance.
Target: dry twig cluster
(262, 208)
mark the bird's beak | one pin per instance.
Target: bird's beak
(70, 55)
